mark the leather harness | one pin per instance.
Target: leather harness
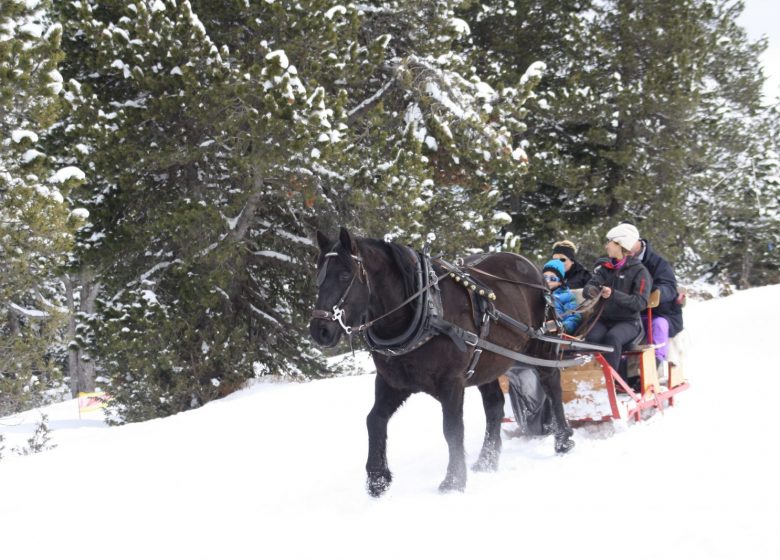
(428, 322)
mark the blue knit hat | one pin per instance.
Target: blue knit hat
(555, 266)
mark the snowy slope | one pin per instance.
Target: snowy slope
(276, 471)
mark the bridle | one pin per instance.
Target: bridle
(337, 313)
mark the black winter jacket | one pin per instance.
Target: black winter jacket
(664, 280)
(577, 276)
(630, 289)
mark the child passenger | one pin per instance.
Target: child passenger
(565, 302)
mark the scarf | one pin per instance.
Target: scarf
(615, 264)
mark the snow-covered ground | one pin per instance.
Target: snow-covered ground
(276, 472)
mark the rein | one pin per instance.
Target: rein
(597, 301)
(429, 323)
(509, 280)
(415, 295)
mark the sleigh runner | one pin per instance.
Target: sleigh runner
(595, 392)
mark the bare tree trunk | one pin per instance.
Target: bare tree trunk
(747, 268)
(89, 292)
(81, 366)
(73, 347)
(13, 321)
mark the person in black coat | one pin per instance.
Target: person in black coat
(576, 274)
(625, 283)
(667, 317)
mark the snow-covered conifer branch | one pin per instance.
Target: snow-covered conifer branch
(367, 104)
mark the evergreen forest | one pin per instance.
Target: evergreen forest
(165, 165)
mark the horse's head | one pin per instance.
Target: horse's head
(342, 293)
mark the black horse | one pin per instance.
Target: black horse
(362, 279)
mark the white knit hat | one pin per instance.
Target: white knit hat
(625, 235)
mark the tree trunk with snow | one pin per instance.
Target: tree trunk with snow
(81, 366)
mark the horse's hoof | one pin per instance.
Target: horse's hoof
(452, 485)
(563, 445)
(378, 483)
(485, 465)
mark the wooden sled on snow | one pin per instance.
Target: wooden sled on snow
(594, 392)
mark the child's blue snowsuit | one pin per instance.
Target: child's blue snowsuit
(564, 303)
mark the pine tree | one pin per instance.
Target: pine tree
(218, 136)
(36, 222)
(629, 121)
(435, 149)
(199, 197)
(562, 137)
(734, 206)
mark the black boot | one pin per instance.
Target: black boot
(563, 441)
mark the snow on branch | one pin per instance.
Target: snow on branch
(274, 255)
(66, 174)
(327, 172)
(367, 104)
(159, 266)
(286, 234)
(19, 135)
(534, 72)
(51, 304)
(145, 277)
(31, 313)
(462, 113)
(265, 316)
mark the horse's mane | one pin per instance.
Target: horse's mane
(398, 255)
(405, 265)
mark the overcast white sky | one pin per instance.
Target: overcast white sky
(762, 18)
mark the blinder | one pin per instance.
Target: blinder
(337, 314)
(324, 270)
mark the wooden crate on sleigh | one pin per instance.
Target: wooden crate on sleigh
(586, 393)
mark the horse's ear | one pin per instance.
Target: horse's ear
(323, 241)
(348, 242)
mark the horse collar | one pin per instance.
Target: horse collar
(427, 308)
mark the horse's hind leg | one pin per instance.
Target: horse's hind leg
(493, 402)
(451, 398)
(386, 402)
(551, 380)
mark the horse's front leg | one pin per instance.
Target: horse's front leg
(386, 402)
(551, 380)
(451, 398)
(493, 402)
